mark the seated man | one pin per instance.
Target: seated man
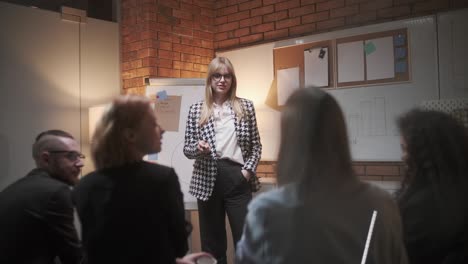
(36, 212)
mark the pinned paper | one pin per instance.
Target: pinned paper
(399, 40)
(168, 112)
(400, 67)
(161, 95)
(400, 53)
(369, 47)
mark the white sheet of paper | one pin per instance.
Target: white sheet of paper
(288, 82)
(381, 62)
(315, 68)
(350, 61)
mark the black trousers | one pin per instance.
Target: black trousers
(230, 196)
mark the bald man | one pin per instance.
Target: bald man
(36, 212)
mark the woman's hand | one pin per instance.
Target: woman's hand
(247, 174)
(203, 147)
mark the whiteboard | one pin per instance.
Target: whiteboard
(370, 111)
(191, 91)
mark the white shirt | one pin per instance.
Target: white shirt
(226, 139)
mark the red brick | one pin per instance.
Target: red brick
(345, 11)
(146, 71)
(165, 45)
(371, 178)
(182, 31)
(277, 34)
(191, 58)
(189, 7)
(263, 28)
(238, 16)
(148, 34)
(227, 43)
(362, 17)
(129, 74)
(221, 36)
(251, 38)
(302, 29)
(202, 51)
(250, 5)
(200, 67)
(149, 43)
(266, 169)
(303, 10)
(189, 24)
(375, 5)
(262, 11)
(227, 10)
(191, 41)
(190, 74)
(165, 63)
(165, 54)
(132, 37)
(167, 72)
(459, 3)
(228, 26)
(288, 23)
(351, 2)
(382, 170)
(129, 56)
(394, 12)
(207, 44)
(359, 170)
(160, 27)
(203, 34)
(149, 61)
(315, 17)
(183, 65)
(168, 3)
(182, 48)
(208, 12)
(287, 5)
(330, 5)
(250, 22)
(432, 5)
(147, 52)
(242, 32)
(221, 20)
(332, 23)
(309, 2)
(275, 16)
(165, 36)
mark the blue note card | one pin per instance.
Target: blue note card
(161, 95)
(400, 53)
(399, 40)
(401, 67)
(369, 47)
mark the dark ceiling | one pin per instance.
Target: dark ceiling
(99, 9)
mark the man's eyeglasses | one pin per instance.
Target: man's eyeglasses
(217, 77)
(70, 155)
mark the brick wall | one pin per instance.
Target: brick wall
(165, 38)
(178, 38)
(243, 23)
(365, 170)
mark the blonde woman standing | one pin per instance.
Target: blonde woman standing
(222, 136)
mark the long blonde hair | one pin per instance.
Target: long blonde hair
(207, 109)
(109, 147)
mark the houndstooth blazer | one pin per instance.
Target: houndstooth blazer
(204, 167)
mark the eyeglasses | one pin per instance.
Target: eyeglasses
(217, 77)
(70, 155)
